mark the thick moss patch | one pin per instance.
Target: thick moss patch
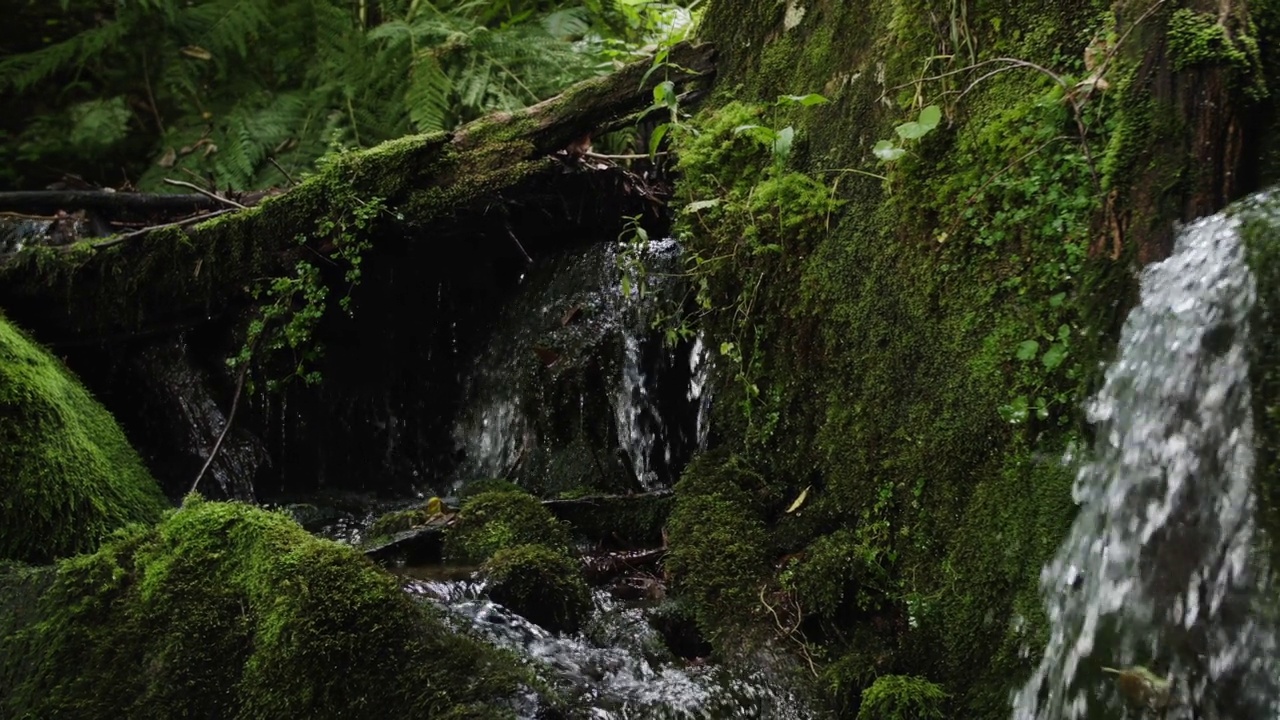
(492, 521)
(542, 584)
(228, 611)
(68, 476)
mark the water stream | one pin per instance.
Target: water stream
(618, 668)
(1160, 570)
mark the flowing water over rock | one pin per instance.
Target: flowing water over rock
(618, 669)
(1159, 570)
(574, 381)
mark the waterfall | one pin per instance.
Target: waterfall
(574, 381)
(1160, 570)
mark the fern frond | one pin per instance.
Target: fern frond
(429, 95)
(21, 72)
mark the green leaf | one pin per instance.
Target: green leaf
(726, 348)
(1054, 356)
(1056, 300)
(1042, 408)
(911, 130)
(929, 117)
(655, 138)
(887, 151)
(802, 100)
(698, 205)
(782, 142)
(1027, 349)
(1064, 333)
(1016, 411)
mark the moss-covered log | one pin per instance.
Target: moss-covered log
(434, 187)
(68, 476)
(228, 611)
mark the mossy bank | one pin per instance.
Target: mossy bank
(227, 611)
(68, 476)
(912, 286)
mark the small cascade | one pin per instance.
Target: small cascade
(618, 669)
(656, 379)
(1159, 578)
(573, 382)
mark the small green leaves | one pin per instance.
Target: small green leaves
(802, 100)
(1016, 411)
(1054, 356)
(1028, 349)
(886, 151)
(924, 124)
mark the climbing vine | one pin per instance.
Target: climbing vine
(291, 307)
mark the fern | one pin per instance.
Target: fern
(221, 88)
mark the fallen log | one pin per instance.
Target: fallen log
(437, 188)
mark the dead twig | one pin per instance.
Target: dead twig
(179, 223)
(283, 172)
(226, 427)
(202, 191)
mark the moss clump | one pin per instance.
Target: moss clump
(476, 487)
(492, 521)
(839, 573)
(68, 476)
(228, 611)
(901, 697)
(542, 584)
(1199, 39)
(1260, 220)
(399, 521)
(719, 547)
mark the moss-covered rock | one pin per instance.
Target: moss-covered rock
(475, 487)
(228, 611)
(901, 697)
(542, 584)
(68, 476)
(719, 546)
(492, 521)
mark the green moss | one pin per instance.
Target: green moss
(492, 521)
(543, 585)
(1197, 38)
(227, 611)
(632, 520)
(915, 357)
(398, 521)
(718, 548)
(476, 487)
(68, 476)
(838, 572)
(1260, 220)
(900, 697)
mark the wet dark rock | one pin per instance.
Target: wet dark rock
(415, 546)
(675, 622)
(621, 521)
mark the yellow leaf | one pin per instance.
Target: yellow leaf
(197, 52)
(435, 506)
(799, 500)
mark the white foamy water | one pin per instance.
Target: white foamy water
(1159, 568)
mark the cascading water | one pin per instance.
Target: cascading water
(1159, 571)
(625, 675)
(571, 351)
